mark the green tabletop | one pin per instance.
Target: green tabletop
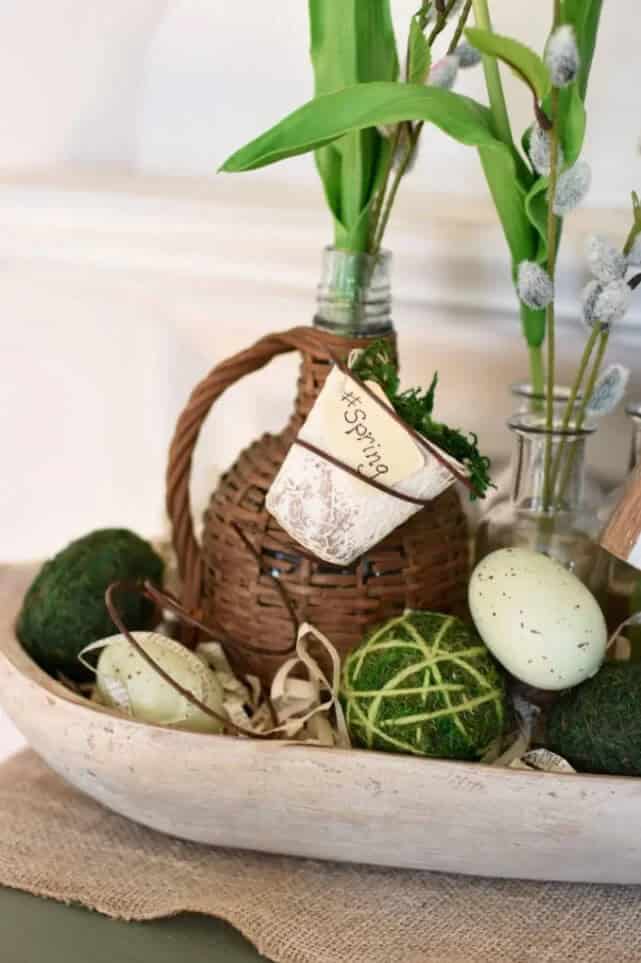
(34, 930)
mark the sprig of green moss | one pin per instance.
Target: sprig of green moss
(415, 406)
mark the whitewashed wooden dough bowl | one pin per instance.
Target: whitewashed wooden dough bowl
(355, 806)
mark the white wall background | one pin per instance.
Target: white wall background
(173, 86)
(127, 269)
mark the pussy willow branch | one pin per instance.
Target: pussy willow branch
(550, 325)
(571, 402)
(412, 140)
(460, 27)
(441, 22)
(583, 366)
(580, 416)
(503, 130)
(388, 196)
(395, 141)
(380, 196)
(552, 226)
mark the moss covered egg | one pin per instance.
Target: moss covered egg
(425, 684)
(64, 609)
(596, 726)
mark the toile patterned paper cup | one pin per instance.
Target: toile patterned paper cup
(338, 513)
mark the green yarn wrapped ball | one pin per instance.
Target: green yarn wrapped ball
(424, 684)
(597, 726)
(64, 609)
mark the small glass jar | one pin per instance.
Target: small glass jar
(526, 400)
(560, 523)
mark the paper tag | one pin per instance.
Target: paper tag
(357, 431)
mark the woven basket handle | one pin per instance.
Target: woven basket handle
(186, 435)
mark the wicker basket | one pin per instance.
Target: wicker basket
(422, 564)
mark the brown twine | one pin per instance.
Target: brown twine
(167, 600)
(325, 455)
(287, 602)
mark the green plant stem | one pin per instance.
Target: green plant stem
(441, 23)
(571, 402)
(496, 94)
(580, 416)
(596, 333)
(537, 374)
(413, 136)
(550, 325)
(460, 27)
(378, 201)
(503, 130)
(381, 216)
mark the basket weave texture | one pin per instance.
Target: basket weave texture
(424, 564)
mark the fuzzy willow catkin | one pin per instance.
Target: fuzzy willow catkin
(605, 304)
(605, 260)
(540, 151)
(572, 188)
(444, 73)
(535, 286)
(467, 56)
(608, 391)
(562, 56)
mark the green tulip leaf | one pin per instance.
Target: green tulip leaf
(352, 41)
(584, 15)
(509, 193)
(536, 209)
(573, 123)
(419, 54)
(523, 61)
(324, 119)
(533, 324)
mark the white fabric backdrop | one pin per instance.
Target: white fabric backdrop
(174, 85)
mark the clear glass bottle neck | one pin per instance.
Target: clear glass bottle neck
(567, 462)
(354, 295)
(527, 399)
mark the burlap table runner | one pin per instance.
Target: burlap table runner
(55, 842)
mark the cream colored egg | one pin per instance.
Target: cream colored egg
(126, 681)
(538, 620)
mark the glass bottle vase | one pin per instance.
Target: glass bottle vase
(423, 564)
(526, 400)
(556, 519)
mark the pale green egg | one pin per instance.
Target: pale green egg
(126, 681)
(537, 619)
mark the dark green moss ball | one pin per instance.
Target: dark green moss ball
(597, 726)
(424, 684)
(64, 609)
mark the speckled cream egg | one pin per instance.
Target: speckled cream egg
(126, 681)
(538, 620)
